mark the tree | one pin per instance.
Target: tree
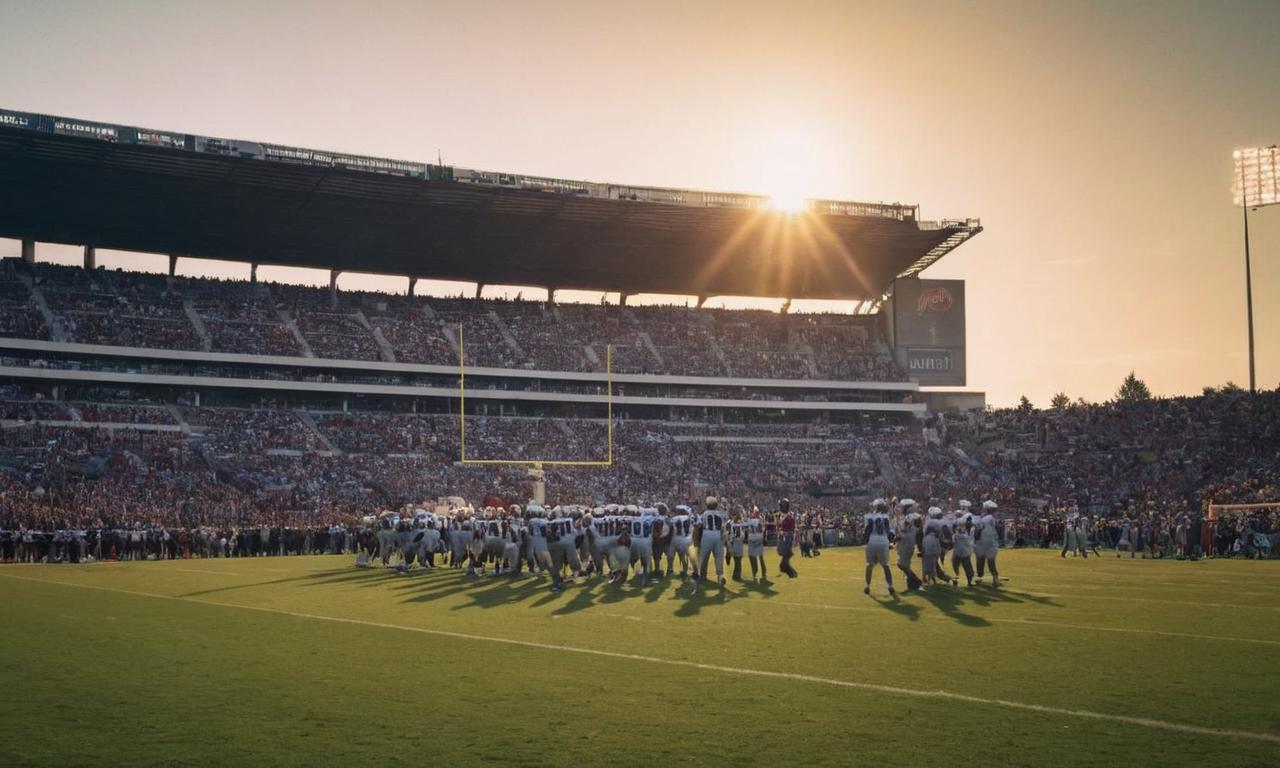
(1060, 401)
(1232, 388)
(1210, 392)
(1133, 390)
(1025, 406)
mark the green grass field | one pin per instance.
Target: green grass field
(308, 661)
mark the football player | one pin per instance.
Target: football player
(642, 525)
(563, 548)
(539, 557)
(711, 524)
(962, 554)
(908, 527)
(755, 546)
(681, 539)
(987, 542)
(735, 543)
(876, 527)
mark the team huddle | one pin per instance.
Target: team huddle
(578, 541)
(961, 533)
(649, 542)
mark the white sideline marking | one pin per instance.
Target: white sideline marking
(1145, 722)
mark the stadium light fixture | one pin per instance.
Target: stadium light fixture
(1255, 185)
(1257, 177)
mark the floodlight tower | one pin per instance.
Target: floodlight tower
(1256, 185)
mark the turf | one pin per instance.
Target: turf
(307, 661)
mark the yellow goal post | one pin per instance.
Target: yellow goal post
(1215, 509)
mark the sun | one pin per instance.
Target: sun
(788, 202)
(788, 170)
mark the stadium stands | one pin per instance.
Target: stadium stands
(141, 310)
(228, 465)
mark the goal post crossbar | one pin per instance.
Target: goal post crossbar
(1237, 507)
(536, 463)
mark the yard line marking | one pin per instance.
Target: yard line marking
(1189, 603)
(215, 573)
(596, 613)
(1145, 722)
(1046, 623)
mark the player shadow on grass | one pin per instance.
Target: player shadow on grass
(949, 600)
(496, 591)
(268, 582)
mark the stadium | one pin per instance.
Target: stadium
(252, 522)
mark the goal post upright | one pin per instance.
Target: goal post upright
(537, 464)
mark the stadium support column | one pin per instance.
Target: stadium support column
(479, 289)
(551, 295)
(173, 264)
(622, 298)
(333, 286)
(28, 251)
(253, 272)
(90, 257)
(702, 300)
(413, 283)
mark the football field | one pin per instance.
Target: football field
(309, 661)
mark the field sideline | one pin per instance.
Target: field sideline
(306, 660)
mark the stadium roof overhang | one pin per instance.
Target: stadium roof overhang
(69, 189)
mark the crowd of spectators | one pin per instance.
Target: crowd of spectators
(1153, 466)
(144, 310)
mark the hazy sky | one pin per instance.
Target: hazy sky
(1093, 139)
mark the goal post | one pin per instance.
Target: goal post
(1216, 509)
(536, 464)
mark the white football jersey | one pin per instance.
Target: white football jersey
(985, 529)
(682, 525)
(878, 526)
(711, 520)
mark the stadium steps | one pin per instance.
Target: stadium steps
(176, 413)
(653, 349)
(384, 346)
(888, 475)
(306, 419)
(507, 335)
(593, 358)
(189, 307)
(292, 325)
(451, 336)
(564, 428)
(805, 351)
(388, 353)
(51, 321)
(718, 351)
